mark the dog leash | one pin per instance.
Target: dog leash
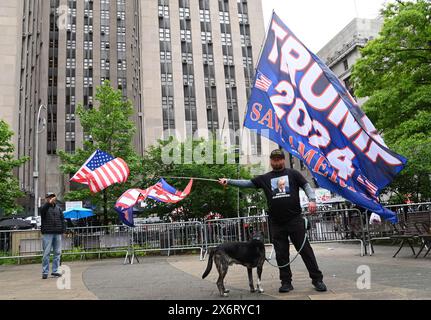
(297, 254)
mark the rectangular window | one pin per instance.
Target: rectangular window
(226, 39)
(204, 16)
(184, 13)
(164, 11)
(243, 18)
(88, 45)
(224, 17)
(70, 82)
(346, 64)
(186, 35)
(206, 37)
(121, 47)
(164, 34)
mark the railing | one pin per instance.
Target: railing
(331, 226)
(408, 215)
(338, 226)
(168, 237)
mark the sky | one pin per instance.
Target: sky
(315, 22)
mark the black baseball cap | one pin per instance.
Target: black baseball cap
(278, 154)
(50, 195)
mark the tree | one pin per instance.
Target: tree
(395, 73)
(9, 186)
(111, 130)
(206, 196)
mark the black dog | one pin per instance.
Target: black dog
(250, 254)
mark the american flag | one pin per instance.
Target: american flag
(262, 82)
(126, 202)
(102, 170)
(161, 192)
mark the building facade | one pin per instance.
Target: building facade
(186, 65)
(198, 66)
(55, 54)
(341, 52)
(11, 48)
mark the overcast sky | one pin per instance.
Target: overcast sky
(315, 22)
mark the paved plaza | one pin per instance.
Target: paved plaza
(178, 277)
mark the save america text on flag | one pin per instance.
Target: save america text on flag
(308, 112)
(102, 170)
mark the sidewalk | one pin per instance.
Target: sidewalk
(179, 278)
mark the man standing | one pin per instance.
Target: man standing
(285, 216)
(53, 226)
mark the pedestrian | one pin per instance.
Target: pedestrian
(53, 227)
(285, 216)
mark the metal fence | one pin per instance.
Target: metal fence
(408, 215)
(338, 226)
(326, 227)
(331, 226)
(220, 231)
(76, 241)
(168, 237)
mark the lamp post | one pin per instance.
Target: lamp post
(36, 159)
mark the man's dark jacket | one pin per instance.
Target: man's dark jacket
(52, 219)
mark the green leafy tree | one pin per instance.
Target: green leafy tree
(206, 196)
(9, 186)
(395, 73)
(111, 131)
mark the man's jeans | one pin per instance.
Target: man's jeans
(51, 241)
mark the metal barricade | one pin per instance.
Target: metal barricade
(330, 226)
(342, 225)
(166, 237)
(15, 244)
(338, 226)
(219, 231)
(96, 240)
(408, 215)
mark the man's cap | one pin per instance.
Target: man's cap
(50, 195)
(277, 154)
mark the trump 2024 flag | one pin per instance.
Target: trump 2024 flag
(102, 170)
(299, 103)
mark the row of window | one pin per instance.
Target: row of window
(168, 111)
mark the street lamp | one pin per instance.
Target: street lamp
(36, 158)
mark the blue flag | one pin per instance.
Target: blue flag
(300, 104)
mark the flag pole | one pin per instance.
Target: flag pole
(260, 56)
(253, 79)
(192, 178)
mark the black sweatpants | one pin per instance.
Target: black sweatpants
(295, 229)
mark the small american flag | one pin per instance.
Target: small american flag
(102, 170)
(126, 202)
(262, 82)
(161, 192)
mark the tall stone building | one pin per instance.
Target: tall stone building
(342, 51)
(186, 65)
(198, 64)
(55, 55)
